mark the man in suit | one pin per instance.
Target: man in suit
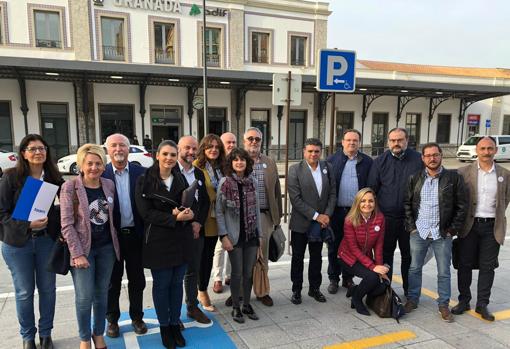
(351, 168)
(269, 192)
(485, 227)
(129, 228)
(187, 150)
(312, 193)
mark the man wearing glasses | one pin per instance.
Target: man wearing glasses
(435, 206)
(269, 192)
(388, 178)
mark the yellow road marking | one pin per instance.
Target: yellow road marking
(370, 342)
(499, 315)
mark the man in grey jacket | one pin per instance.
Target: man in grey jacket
(312, 193)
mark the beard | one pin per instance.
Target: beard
(119, 157)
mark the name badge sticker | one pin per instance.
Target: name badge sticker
(264, 165)
(377, 228)
(500, 179)
(110, 200)
(199, 182)
(325, 171)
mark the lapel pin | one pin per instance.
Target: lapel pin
(110, 199)
(500, 179)
(199, 182)
(325, 171)
(264, 165)
(377, 228)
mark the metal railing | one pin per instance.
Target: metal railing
(213, 60)
(260, 59)
(113, 53)
(163, 56)
(300, 62)
(48, 43)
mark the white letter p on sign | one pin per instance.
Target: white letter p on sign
(332, 71)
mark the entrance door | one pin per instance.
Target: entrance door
(116, 118)
(5, 130)
(55, 128)
(166, 123)
(379, 131)
(260, 120)
(297, 134)
(217, 121)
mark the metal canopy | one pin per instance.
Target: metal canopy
(160, 75)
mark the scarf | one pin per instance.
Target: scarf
(214, 174)
(231, 192)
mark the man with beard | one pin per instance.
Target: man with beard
(435, 206)
(484, 231)
(129, 228)
(269, 192)
(187, 151)
(388, 178)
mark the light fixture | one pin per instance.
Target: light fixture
(404, 91)
(174, 80)
(439, 93)
(225, 82)
(52, 74)
(270, 85)
(362, 89)
(117, 77)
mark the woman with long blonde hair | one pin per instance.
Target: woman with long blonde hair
(361, 250)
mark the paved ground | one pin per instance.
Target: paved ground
(309, 325)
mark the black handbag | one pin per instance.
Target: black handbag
(60, 258)
(276, 244)
(387, 305)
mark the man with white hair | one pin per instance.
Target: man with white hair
(129, 226)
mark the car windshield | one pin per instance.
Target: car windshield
(472, 140)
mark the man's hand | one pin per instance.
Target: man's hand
(196, 229)
(323, 219)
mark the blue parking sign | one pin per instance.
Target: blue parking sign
(336, 71)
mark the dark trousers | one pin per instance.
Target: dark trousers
(242, 259)
(298, 243)
(394, 232)
(370, 281)
(131, 255)
(337, 224)
(167, 293)
(206, 262)
(479, 243)
(191, 276)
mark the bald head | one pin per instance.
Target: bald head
(229, 141)
(187, 149)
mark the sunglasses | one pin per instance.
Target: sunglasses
(252, 139)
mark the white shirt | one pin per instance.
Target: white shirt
(487, 192)
(317, 178)
(168, 182)
(122, 186)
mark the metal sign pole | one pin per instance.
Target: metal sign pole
(332, 126)
(204, 58)
(287, 112)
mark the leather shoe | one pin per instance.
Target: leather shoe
(175, 332)
(485, 313)
(139, 326)
(359, 306)
(296, 297)
(460, 308)
(46, 342)
(29, 344)
(217, 287)
(410, 306)
(228, 301)
(333, 287)
(249, 312)
(196, 314)
(266, 300)
(317, 295)
(112, 330)
(237, 316)
(348, 283)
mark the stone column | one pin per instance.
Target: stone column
(236, 39)
(80, 13)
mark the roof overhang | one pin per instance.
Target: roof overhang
(161, 75)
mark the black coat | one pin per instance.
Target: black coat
(201, 207)
(167, 242)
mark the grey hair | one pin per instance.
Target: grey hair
(126, 140)
(253, 129)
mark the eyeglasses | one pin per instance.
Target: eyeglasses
(428, 156)
(36, 149)
(252, 139)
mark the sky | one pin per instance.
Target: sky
(464, 33)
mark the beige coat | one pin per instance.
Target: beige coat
(470, 174)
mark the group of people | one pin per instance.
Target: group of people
(115, 216)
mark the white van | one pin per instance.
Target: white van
(467, 151)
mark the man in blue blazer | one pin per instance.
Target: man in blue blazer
(130, 232)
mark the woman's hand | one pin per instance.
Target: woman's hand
(381, 269)
(226, 244)
(185, 215)
(81, 262)
(39, 223)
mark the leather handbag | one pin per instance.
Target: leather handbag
(276, 244)
(59, 261)
(388, 304)
(260, 279)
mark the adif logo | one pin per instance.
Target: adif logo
(195, 10)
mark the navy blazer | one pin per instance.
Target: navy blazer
(363, 165)
(134, 172)
(201, 208)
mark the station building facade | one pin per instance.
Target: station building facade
(76, 71)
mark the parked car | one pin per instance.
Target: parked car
(467, 151)
(7, 160)
(137, 155)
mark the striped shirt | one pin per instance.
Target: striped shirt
(258, 172)
(427, 222)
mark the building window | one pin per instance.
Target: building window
(164, 43)
(443, 128)
(116, 118)
(259, 47)
(298, 50)
(47, 29)
(212, 46)
(344, 121)
(506, 125)
(112, 32)
(413, 129)
(5, 130)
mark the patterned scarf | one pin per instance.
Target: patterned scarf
(231, 192)
(214, 174)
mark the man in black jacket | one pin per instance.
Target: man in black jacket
(435, 206)
(129, 228)
(187, 151)
(388, 177)
(351, 168)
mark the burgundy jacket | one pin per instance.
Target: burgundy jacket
(360, 244)
(77, 232)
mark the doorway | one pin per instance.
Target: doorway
(166, 123)
(55, 128)
(297, 134)
(379, 131)
(260, 119)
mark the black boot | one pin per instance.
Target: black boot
(46, 342)
(166, 337)
(175, 332)
(29, 344)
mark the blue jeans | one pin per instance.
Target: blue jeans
(91, 290)
(167, 293)
(442, 248)
(27, 265)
